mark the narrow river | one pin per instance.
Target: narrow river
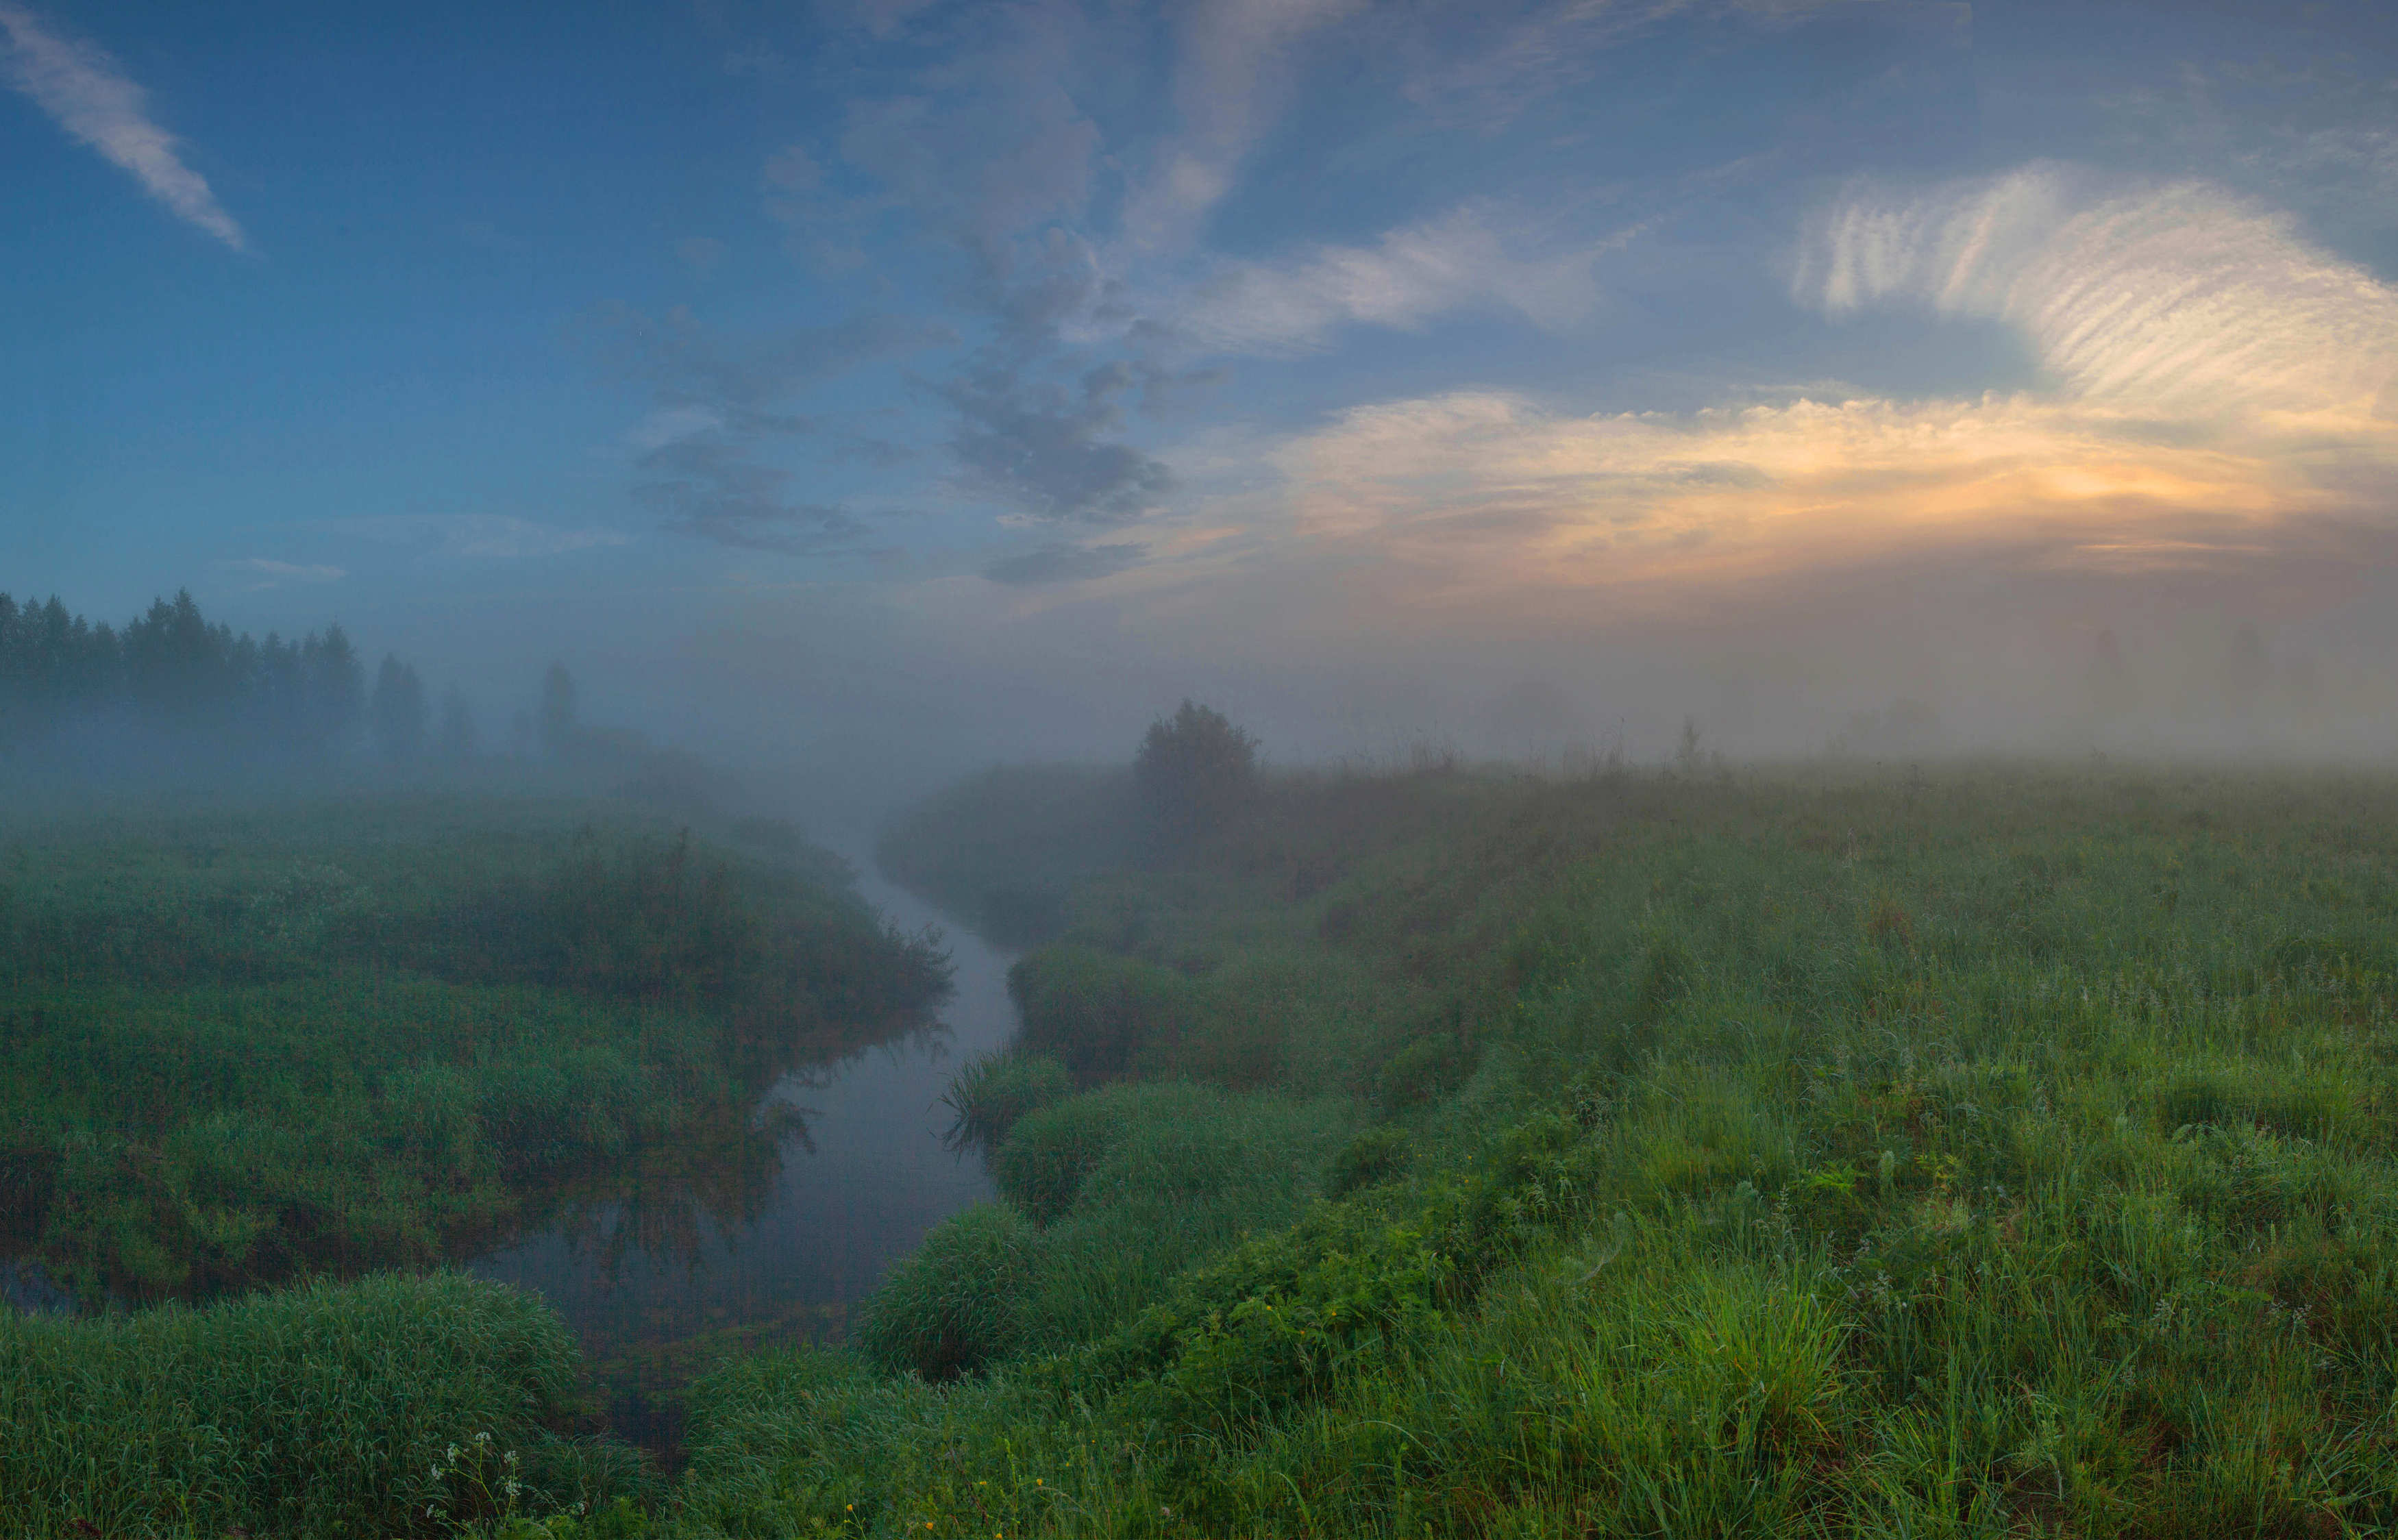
(659, 1290)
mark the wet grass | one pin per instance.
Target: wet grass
(247, 1050)
(2005, 1152)
(315, 1410)
(234, 1051)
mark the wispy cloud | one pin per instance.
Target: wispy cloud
(1460, 259)
(714, 487)
(277, 574)
(91, 98)
(1056, 564)
(1486, 78)
(1045, 448)
(1487, 493)
(2223, 391)
(483, 537)
(720, 400)
(2181, 297)
(1231, 75)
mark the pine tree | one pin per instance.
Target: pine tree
(457, 741)
(558, 729)
(397, 712)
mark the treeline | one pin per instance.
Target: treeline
(171, 674)
(170, 692)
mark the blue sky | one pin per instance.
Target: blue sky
(943, 379)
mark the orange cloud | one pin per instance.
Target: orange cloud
(2217, 380)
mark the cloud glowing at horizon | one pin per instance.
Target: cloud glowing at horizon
(2215, 379)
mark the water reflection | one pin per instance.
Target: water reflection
(768, 1232)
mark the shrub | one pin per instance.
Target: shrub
(1138, 1184)
(1423, 1070)
(1097, 1012)
(952, 1307)
(1170, 1140)
(1021, 913)
(1193, 770)
(1378, 1154)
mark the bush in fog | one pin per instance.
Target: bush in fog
(1380, 1154)
(1422, 1071)
(1193, 770)
(1097, 1014)
(559, 725)
(459, 738)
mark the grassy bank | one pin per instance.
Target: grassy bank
(2000, 1152)
(2004, 1151)
(241, 1048)
(386, 1406)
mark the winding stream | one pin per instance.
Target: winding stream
(656, 1291)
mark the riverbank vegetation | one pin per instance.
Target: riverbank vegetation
(305, 1045)
(250, 1046)
(2000, 1150)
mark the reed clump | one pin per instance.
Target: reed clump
(314, 1410)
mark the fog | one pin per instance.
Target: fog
(854, 397)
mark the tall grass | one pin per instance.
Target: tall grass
(234, 1051)
(2000, 1153)
(315, 1411)
(989, 1095)
(1106, 1198)
(2005, 1152)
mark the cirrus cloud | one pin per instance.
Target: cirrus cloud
(2221, 386)
(2181, 297)
(85, 91)
(1466, 257)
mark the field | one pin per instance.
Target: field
(308, 1045)
(2000, 1150)
(247, 1047)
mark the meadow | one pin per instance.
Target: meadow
(248, 1047)
(2003, 1151)
(1831, 1150)
(330, 1048)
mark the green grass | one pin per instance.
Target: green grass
(2005, 1152)
(317, 1410)
(992, 1093)
(235, 1049)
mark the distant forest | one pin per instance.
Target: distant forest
(168, 696)
(172, 677)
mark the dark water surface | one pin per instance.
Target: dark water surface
(660, 1276)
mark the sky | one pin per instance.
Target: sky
(904, 384)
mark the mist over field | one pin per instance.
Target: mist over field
(1089, 768)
